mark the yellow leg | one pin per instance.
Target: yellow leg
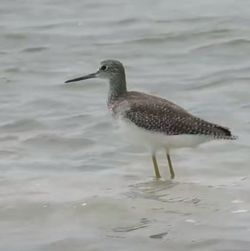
(157, 173)
(170, 167)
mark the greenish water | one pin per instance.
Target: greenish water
(67, 181)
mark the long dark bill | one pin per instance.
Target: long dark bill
(92, 75)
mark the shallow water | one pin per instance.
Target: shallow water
(67, 181)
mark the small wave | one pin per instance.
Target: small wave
(22, 125)
(16, 36)
(52, 25)
(35, 49)
(12, 70)
(127, 21)
(239, 43)
(172, 37)
(8, 138)
(222, 77)
(49, 141)
(189, 20)
(241, 72)
(46, 102)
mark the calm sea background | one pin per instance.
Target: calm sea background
(67, 180)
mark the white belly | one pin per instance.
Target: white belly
(155, 140)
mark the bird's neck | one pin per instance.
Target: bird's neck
(117, 88)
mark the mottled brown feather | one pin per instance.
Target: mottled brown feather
(160, 115)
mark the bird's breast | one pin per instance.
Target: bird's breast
(118, 108)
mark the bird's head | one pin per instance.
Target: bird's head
(109, 69)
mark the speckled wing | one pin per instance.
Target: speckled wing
(160, 115)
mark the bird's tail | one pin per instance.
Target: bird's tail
(225, 133)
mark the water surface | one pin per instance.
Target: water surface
(67, 181)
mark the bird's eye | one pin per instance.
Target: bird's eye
(104, 67)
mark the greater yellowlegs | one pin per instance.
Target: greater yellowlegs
(153, 121)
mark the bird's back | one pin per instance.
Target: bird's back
(160, 115)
